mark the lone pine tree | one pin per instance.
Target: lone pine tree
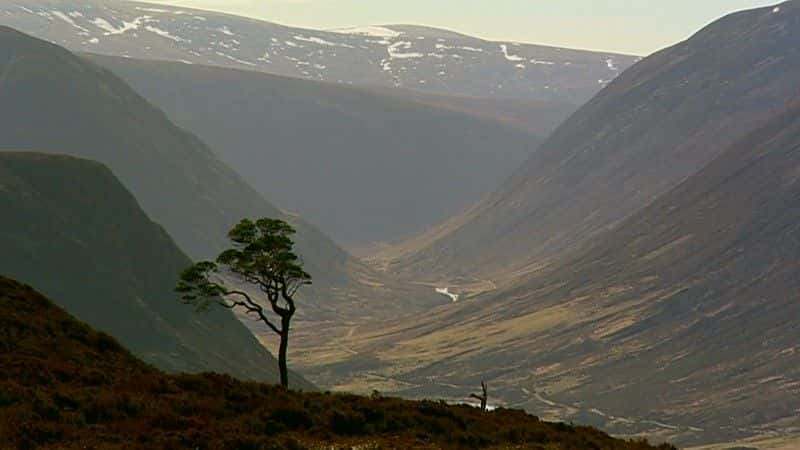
(261, 256)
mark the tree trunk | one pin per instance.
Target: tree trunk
(484, 398)
(282, 365)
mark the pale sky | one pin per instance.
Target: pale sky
(629, 26)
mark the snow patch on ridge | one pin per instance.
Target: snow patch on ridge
(395, 51)
(161, 10)
(68, 19)
(510, 57)
(109, 29)
(236, 60)
(165, 34)
(225, 30)
(373, 31)
(320, 41)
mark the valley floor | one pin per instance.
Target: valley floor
(789, 441)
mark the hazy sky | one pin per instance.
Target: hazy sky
(632, 26)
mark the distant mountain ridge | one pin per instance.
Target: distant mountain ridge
(70, 229)
(412, 57)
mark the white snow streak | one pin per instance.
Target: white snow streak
(395, 52)
(236, 60)
(380, 32)
(512, 58)
(165, 34)
(109, 29)
(162, 11)
(68, 19)
(320, 41)
(446, 291)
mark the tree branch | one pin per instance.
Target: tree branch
(252, 307)
(288, 298)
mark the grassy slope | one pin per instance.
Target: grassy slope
(658, 123)
(91, 393)
(682, 320)
(72, 230)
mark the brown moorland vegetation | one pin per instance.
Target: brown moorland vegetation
(63, 385)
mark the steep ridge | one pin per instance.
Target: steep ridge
(365, 167)
(681, 322)
(656, 124)
(72, 230)
(421, 58)
(51, 100)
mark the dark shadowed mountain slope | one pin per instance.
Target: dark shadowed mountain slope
(70, 229)
(64, 385)
(422, 58)
(681, 322)
(364, 167)
(51, 100)
(658, 123)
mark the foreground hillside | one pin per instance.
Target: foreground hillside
(72, 230)
(63, 385)
(413, 57)
(362, 166)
